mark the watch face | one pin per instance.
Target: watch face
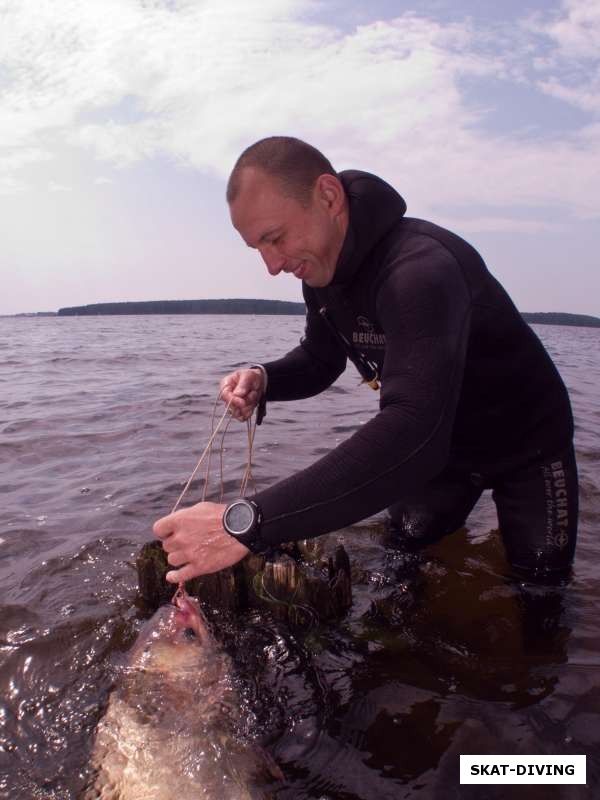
(240, 517)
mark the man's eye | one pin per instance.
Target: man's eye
(276, 240)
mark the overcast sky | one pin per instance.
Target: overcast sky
(120, 120)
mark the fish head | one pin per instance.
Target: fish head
(174, 639)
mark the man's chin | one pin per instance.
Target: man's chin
(317, 283)
(317, 278)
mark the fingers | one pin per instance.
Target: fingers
(229, 389)
(227, 385)
(195, 542)
(181, 575)
(164, 527)
(242, 409)
(242, 389)
(176, 558)
(247, 382)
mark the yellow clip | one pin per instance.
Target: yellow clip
(374, 384)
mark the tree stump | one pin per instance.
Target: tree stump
(298, 587)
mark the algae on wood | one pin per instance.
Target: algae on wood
(285, 584)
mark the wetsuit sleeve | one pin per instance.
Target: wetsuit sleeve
(311, 367)
(423, 307)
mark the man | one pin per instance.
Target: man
(469, 397)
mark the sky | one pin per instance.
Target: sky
(121, 119)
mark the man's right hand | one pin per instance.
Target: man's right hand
(244, 388)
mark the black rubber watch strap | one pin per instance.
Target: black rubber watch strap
(261, 408)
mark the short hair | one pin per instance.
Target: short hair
(294, 163)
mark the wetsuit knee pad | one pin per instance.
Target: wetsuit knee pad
(440, 508)
(417, 526)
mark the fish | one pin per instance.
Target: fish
(171, 727)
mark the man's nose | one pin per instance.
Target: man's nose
(274, 260)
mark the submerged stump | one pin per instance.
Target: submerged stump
(292, 587)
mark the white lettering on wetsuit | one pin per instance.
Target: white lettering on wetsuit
(373, 339)
(366, 334)
(557, 505)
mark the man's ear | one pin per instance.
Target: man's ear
(330, 192)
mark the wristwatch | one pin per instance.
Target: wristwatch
(241, 519)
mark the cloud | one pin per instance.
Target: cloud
(481, 224)
(576, 29)
(55, 186)
(10, 185)
(102, 181)
(124, 144)
(12, 161)
(209, 78)
(586, 97)
(573, 66)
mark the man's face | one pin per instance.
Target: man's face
(302, 240)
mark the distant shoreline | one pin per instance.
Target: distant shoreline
(229, 306)
(255, 306)
(559, 318)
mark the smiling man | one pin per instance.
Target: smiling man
(297, 221)
(470, 399)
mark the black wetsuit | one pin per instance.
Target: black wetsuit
(470, 399)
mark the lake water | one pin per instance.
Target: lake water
(102, 420)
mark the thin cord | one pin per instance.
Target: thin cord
(251, 428)
(212, 427)
(221, 460)
(197, 467)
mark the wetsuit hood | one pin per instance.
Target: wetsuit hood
(375, 207)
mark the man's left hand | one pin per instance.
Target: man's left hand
(195, 541)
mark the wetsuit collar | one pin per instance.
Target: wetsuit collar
(375, 207)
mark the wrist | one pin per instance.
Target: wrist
(263, 373)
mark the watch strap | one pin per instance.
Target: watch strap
(261, 408)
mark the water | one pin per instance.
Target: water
(102, 420)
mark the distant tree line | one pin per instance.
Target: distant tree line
(240, 306)
(243, 306)
(558, 318)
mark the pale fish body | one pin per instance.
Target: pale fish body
(168, 731)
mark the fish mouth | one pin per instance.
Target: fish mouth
(189, 617)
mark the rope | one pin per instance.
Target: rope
(251, 428)
(212, 428)
(201, 459)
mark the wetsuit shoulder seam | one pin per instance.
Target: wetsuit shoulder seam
(387, 271)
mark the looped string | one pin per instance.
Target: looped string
(179, 594)
(251, 428)
(207, 450)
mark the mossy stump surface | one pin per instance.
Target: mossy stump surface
(291, 587)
